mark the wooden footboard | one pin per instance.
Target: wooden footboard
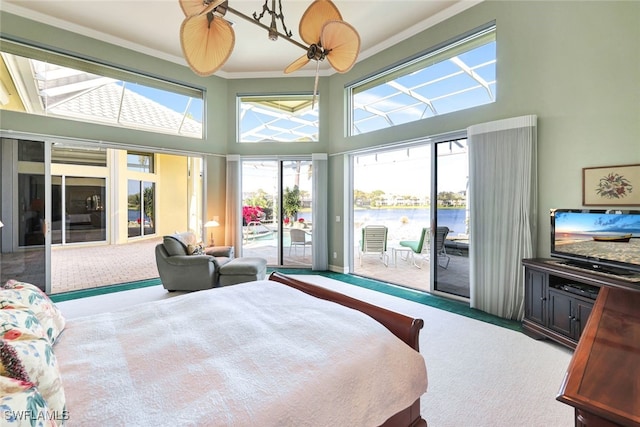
(404, 327)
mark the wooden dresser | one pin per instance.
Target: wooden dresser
(602, 382)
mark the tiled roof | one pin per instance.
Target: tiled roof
(81, 95)
(103, 103)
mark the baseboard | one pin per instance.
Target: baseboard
(339, 269)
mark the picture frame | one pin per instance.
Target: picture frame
(611, 185)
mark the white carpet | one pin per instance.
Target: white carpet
(480, 375)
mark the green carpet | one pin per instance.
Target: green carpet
(84, 293)
(441, 303)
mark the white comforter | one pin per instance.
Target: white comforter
(260, 354)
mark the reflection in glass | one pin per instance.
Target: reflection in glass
(31, 193)
(24, 258)
(57, 211)
(30, 151)
(84, 210)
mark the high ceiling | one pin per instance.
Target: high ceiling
(152, 27)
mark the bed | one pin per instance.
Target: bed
(276, 352)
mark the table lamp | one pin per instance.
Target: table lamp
(211, 224)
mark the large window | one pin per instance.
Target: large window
(459, 75)
(278, 118)
(56, 85)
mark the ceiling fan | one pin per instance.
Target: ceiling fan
(207, 39)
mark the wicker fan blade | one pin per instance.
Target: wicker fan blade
(316, 15)
(206, 47)
(297, 64)
(343, 43)
(196, 7)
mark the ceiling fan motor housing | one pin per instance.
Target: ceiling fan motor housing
(316, 52)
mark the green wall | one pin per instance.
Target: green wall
(576, 65)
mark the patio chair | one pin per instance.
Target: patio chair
(299, 238)
(374, 241)
(421, 246)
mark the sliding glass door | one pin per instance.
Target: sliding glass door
(276, 211)
(419, 194)
(102, 209)
(25, 245)
(296, 207)
(451, 236)
(261, 210)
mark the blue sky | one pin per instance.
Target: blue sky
(171, 100)
(589, 222)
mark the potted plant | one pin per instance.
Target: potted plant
(291, 203)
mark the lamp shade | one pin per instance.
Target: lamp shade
(212, 223)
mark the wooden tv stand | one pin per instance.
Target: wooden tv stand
(602, 382)
(559, 298)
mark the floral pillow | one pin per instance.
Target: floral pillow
(38, 363)
(10, 362)
(14, 323)
(22, 405)
(20, 295)
(20, 401)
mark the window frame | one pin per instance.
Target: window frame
(17, 52)
(141, 167)
(298, 102)
(436, 55)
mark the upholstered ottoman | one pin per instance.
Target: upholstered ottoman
(240, 270)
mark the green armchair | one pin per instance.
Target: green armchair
(183, 268)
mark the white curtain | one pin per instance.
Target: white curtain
(233, 229)
(320, 191)
(503, 206)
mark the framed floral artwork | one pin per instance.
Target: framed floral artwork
(611, 186)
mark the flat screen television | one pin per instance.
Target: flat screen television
(601, 240)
